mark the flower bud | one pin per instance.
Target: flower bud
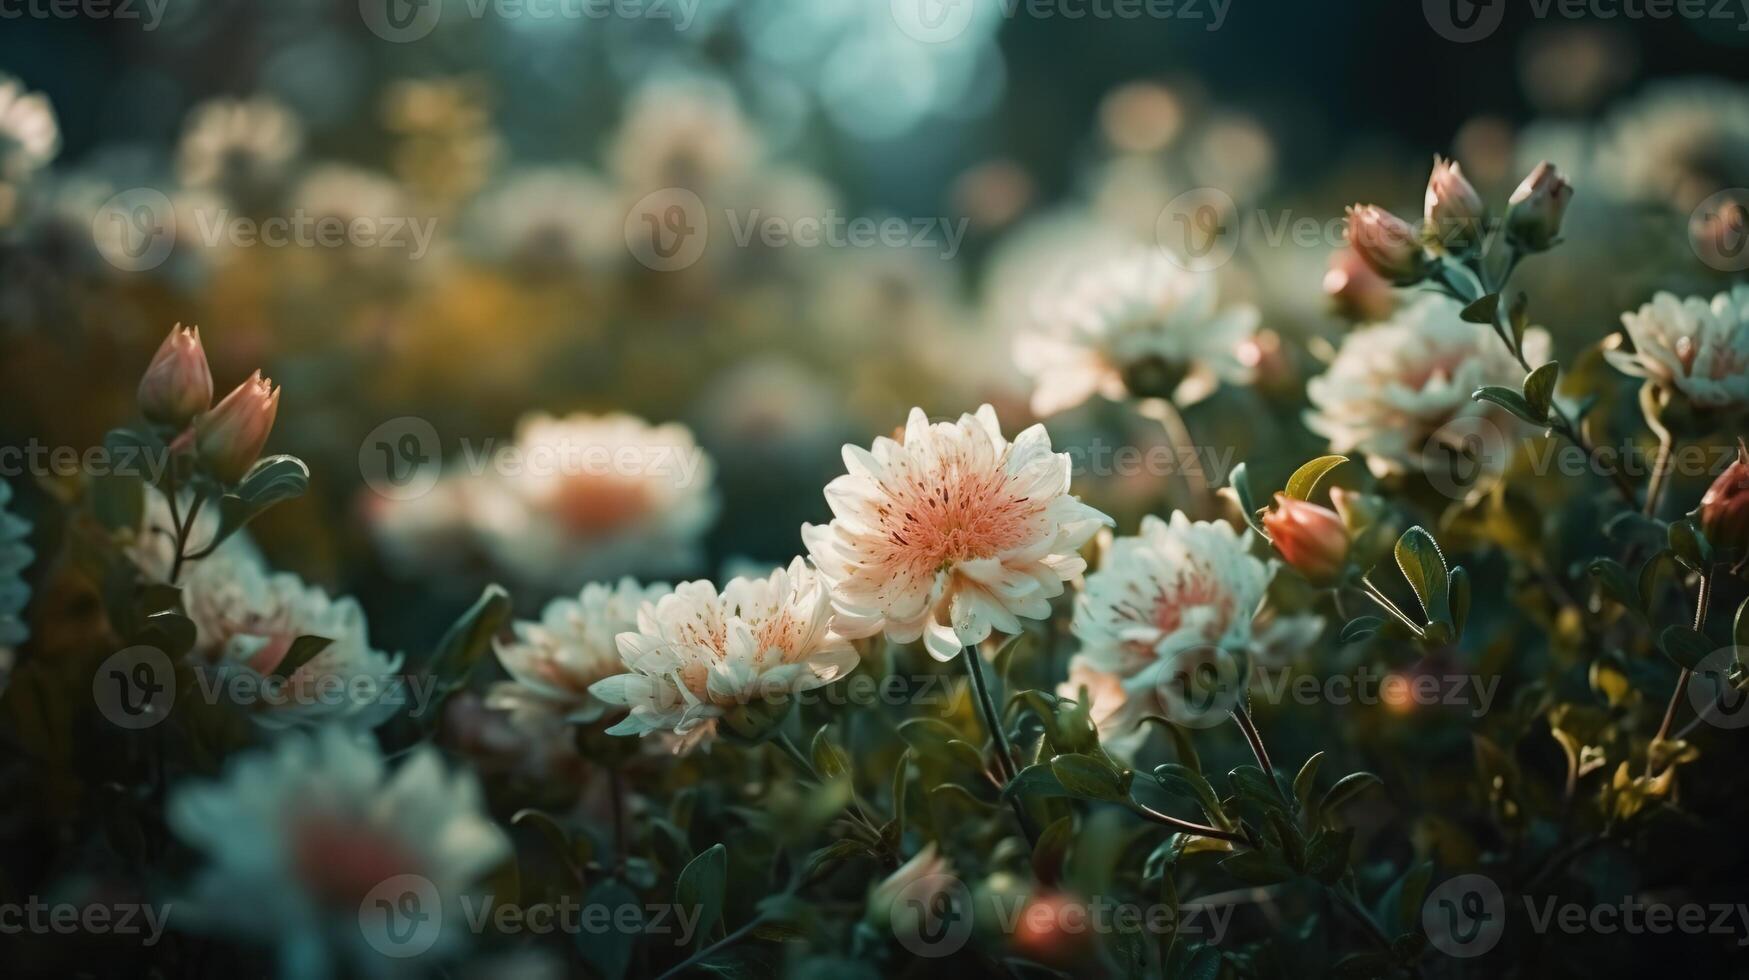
(1534, 217)
(1387, 243)
(230, 437)
(1311, 538)
(1724, 510)
(177, 385)
(1454, 209)
(1357, 292)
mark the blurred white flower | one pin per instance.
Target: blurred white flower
(699, 658)
(549, 219)
(1142, 321)
(1177, 588)
(1115, 715)
(29, 135)
(1677, 143)
(1395, 385)
(303, 841)
(898, 900)
(951, 533)
(1699, 348)
(553, 662)
(15, 557)
(596, 497)
(682, 132)
(247, 618)
(238, 145)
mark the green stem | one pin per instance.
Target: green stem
(853, 809)
(1700, 610)
(1255, 738)
(721, 944)
(1004, 755)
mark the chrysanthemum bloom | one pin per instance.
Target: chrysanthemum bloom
(585, 498)
(1395, 385)
(553, 662)
(29, 136)
(699, 658)
(1178, 588)
(1701, 349)
(247, 618)
(239, 145)
(951, 533)
(313, 846)
(1139, 326)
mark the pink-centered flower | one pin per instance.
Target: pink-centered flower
(951, 532)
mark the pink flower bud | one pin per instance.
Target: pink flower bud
(1357, 292)
(1534, 217)
(1454, 209)
(1387, 243)
(1311, 538)
(1724, 510)
(229, 438)
(177, 385)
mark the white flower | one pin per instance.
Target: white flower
(594, 497)
(1115, 715)
(553, 662)
(29, 136)
(246, 620)
(1395, 385)
(683, 132)
(1177, 588)
(1676, 143)
(1143, 315)
(951, 533)
(238, 144)
(302, 841)
(1697, 347)
(550, 219)
(698, 656)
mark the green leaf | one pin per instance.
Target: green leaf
(1252, 783)
(272, 480)
(1182, 781)
(901, 779)
(1305, 479)
(1327, 854)
(1090, 777)
(1650, 572)
(1035, 780)
(609, 952)
(469, 637)
(830, 760)
(1539, 388)
(1359, 628)
(555, 835)
(1686, 647)
(1689, 545)
(1419, 557)
(1346, 789)
(1051, 849)
(1307, 779)
(1483, 310)
(1612, 580)
(303, 649)
(1241, 484)
(1181, 743)
(1510, 400)
(701, 885)
(1400, 907)
(1633, 527)
(1518, 319)
(1740, 626)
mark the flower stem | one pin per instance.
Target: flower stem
(853, 809)
(1700, 610)
(1186, 826)
(1004, 755)
(1255, 738)
(721, 944)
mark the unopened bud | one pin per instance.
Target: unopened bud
(1534, 217)
(229, 438)
(1387, 243)
(177, 385)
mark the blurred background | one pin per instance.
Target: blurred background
(535, 142)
